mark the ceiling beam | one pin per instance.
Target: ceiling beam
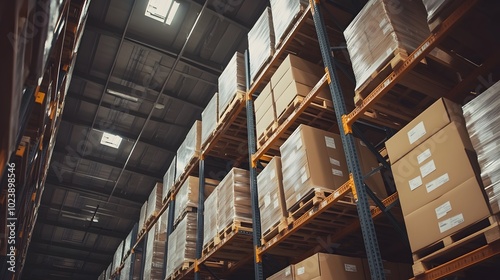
(154, 175)
(136, 200)
(199, 63)
(126, 89)
(124, 134)
(101, 212)
(66, 255)
(37, 241)
(115, 108)
(84, 228)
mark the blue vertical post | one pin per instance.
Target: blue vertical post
(200, 220)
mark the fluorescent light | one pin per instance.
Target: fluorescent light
(123, 95)
(162, 10)
(111, 140)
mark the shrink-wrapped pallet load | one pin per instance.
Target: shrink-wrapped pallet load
(108, 271)
(311, 158)
(382, 30)
(130, 240)
(142, 216)
(209, 118)
(234, 202)
(210, 218)
(154, 260)
(182, 244)
(187, 197)
(169, 178)
(284, 12)
(271, 195)
(232, 82)
(154, 201)
(117, 257)
(482, 118)
(261, 42)
(189, 149)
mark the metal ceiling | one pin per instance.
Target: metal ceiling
(93, 193)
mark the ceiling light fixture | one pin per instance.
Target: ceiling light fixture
(159, 106)
(123, 95)
(111, 140)
(162, 10)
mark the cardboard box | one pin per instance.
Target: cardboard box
(433, 119)
(460, 207)
(312, 158)
(368, 163)
(285, 274)
(296, 62)
(293, 90)
(391, 270)
(329, 267)
(436, 166)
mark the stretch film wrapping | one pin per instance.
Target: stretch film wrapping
(102, 276)
(108, 271)
(234, 199)
(154, 201)
(271, 195)
(117, 257)
(382, 28)
(182, 243)
(209, 118)
(482, 117)
(210, 218)
(187, 197)
(142, 215)
(231, 81)
(169, 178)
(261, 42)
(130, 240)
(433, 7)
(311, 158)
(127, 266)
(284, 12)
(155, 249)
(189, 149)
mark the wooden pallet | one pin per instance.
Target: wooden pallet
(238, 97)
(445, 12)
(180, 270)
(274, 230)
(313, 198)
(466, 240)
(234, 226)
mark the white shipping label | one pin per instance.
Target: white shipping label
(301, 270)
(427, 168)
(288, 271)
(416, 133)
(267, 200)
(337, 172)
(330, 142)
(442, 210)
(423, 156)
(415, 183)
(334, 162)
(276, 204)
(438, 182)
(350, 267)
(451, 223)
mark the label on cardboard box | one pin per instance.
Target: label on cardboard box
(416, 133)
(288, 271)
(334, 162)
(330, 142)
(427, 168)
(443, 209)
(436, 183)
(350, 267)
(415, 183)
(423, 156)
(301, 270)
(451, 223)
(337, 172)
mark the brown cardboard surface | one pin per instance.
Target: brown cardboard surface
(445, 162)
(285, 274)
(369, 162)
(296, 62)
(391, 270)
(294, 89)
(457, 209)
(437, 116)
(265, 120)
(265, 98)
(322, 266)
(299, 76)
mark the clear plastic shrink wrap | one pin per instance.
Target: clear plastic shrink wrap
(169, 178)
(482, 117)
(142, 215)
(102, 276)
(231, 81)
(209, 118)
(188, 196)
(154, 261)
(117, 257)
(182, 243)
(234, 199)
(130, 240)
(210, 218)
(271, 195)
(261, 42)
(433, 7)
(284, 12)
(108, 271)
(189, 149)
(379, 30)
(154, 201)
(311, 158)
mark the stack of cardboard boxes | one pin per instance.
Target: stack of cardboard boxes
(154, 259)
(436, 174)
(261, 42)
(169, 178)
(232, 82)
(209, 119)
(154, 201)
(284, 12)
(189, 149)
(186, 199)
(117, 257)
(182, 244)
